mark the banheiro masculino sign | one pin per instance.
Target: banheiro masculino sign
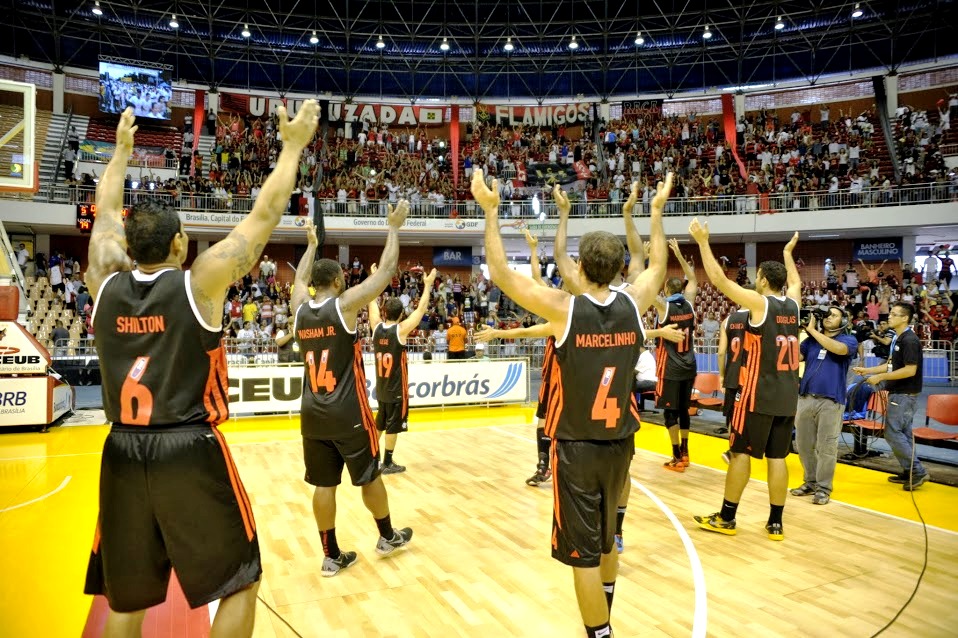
(889, 248)
(279, 388)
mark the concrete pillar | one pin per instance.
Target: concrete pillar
(59, 82)
(344, 254)
(42, 245)
(739, 105)
(908, 251)
(202, 245)
(604, 111)
(891, 94)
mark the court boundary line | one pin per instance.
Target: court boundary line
(62, 485)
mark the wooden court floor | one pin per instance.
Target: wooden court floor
(479, 562)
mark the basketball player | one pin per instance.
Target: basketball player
(170, 495)
(598, 336)
(730, 358)
(764, 412)
(392, 370)
(675, 362)
(336, 422)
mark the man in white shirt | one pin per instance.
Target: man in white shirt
(23, 256)
(645, 379)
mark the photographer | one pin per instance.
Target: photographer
(881, 339)
(821, 401)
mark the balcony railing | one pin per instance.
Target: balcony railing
(523, 210)
(151, 161)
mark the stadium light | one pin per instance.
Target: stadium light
(97, 11)
(246, 32)
(857, 13)
(380, 44)
(573, 44)
(173, 23)
(445, 44)
(508, 46)
(639, 40)
(780, 24)
(707, 35)
(314, 39)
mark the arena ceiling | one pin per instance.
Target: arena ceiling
(818, 38)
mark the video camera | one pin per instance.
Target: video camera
(806, 313)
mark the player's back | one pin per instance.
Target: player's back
(161, 363)
(392, 371)
(335, 403)
(735, 352)
(591, 391)
(676, 361)
(770, 375)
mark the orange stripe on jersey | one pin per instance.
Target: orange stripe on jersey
(660, 358)
(246, 510)
(215, 398)
(753, 345)
(634, 408)
(556, 398)
(404, 369)
(365, 412)
(555, 486)
(96, 535)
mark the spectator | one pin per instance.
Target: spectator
(457, 340)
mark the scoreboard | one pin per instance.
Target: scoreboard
(86, 213)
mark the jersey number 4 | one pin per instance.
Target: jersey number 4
(136, 400)
(321, 378)
(604, 408)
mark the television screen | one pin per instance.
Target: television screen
(148, 91)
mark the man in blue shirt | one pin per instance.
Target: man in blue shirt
(821, 401)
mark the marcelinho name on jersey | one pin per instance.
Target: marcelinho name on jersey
(606, 340)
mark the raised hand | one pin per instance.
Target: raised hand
(300, 131)
(632, 200)
(699, 232)
(311, 238)
(662, 192)
(397, 216)
(790, 246)
(531, 240)
(430, 279)
(648, 248)
(488, 199)
(373, 269)
(126, 129)
(674, 245)
(562, 201)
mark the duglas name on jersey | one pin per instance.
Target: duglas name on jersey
(606, 340)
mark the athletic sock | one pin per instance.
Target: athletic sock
(330, 546)
(542, 446)
(385, 526)
(389, 458)
(684, 447)
(676, 452)
(728, 510)
(775, 514)
(602, 631)
(619, 517)
(609, 593)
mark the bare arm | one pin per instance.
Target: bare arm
(647, 285)
(358, 296)
(567, 268)
(533, 243)
(692, 288)
(669, 333)
(832, 345)
(793, 284)
(107, 252)
(722, 349)
(230, 259)
(747, 299)
(409, 323)
(532, 332)
(304, 270)
(374, 317)
(632, 237)
(549, 303)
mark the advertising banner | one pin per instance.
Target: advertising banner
(889, 248)
(408, 115)
(20, 353)
(279, 388)
(334, 223)
(632, 109)
(24, 401)
(544, 115)
(458, 256)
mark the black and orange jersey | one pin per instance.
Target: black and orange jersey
(548, 362)
(770, 373)
(676, 361)
(735, 353)
(392, 370)
(161, 363)
(335, 404)
(591, 389)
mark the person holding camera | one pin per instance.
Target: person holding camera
(882, 338)
(821, 401)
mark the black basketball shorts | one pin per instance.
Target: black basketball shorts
(392, 418)
(676, 395)
(171, 497)
(588, 477)
(325, 459)
(763, 435)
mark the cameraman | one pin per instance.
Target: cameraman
(881, 339)
(821, 401)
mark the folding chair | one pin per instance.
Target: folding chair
(870, 425)
(944, 409)
(705, 391)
